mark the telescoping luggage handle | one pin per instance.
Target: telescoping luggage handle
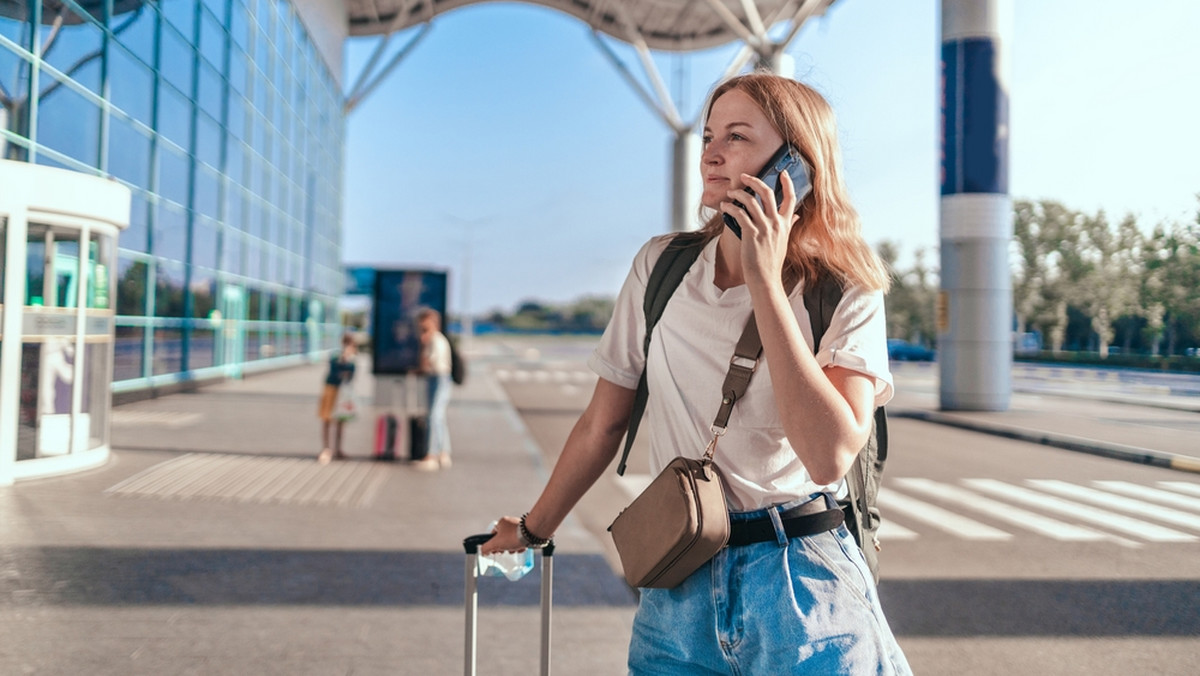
(471, 545)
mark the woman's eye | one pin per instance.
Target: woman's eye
(736, 137)
(706, 139)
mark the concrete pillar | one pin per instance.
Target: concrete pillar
(975, 303)
(685, 180)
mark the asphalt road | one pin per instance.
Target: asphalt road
(1049, 571)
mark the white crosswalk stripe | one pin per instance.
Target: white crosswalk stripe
(1095, 497)
(1094, 515)
(1181, 486)
(1150, 494)
(1005, 512)
(904, 506)
(890, 530)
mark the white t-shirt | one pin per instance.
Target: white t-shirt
(439, 354)
(689, 356)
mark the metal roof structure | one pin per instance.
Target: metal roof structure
(665, 25)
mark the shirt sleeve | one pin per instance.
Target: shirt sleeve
(619, 357)
(857, 339)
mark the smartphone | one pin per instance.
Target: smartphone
(786, 159)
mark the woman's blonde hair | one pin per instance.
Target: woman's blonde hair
(828, 236)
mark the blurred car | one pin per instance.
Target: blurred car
(902, 350)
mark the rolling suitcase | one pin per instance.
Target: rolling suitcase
(385, 437)
(471, 545)
(418, 437)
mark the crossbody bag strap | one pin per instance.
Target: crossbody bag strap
(742, 365)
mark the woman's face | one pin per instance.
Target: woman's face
(738, 139)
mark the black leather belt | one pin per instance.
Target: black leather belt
(811, 518)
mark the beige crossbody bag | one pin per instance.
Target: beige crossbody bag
(681, 520)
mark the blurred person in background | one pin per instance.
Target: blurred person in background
(435, 366)
(337, 403)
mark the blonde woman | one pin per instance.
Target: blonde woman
(804, 605)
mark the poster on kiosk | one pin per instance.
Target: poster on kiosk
(399, 295)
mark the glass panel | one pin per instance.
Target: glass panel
(170, 232)
(217, 7)
(231, 260)
(72, 43)
(237, 116)
(66, 269)
(208, 140)
(237, 70)
(234, 206)
(35, 265)
(14, 79)
(27, 417)
(253, 261)
(97, 399)
(14, 23)
(200, 348)
(204, 244)
(211, 91)
(135, 236)
(254, 304)
(253, 339)
(168, 290)
(129, 354)
(212, 40)
(131, 85)
(68, 122)
(239, 27)
(3, 243)
(206, 195)
(181, 14)
(176, 59)
(128, 152)
(172, 176)
(204, 289)
(235, 160)
(100, 278)
(131, 287)
(134, 27)
(174, 116)
(168, 351)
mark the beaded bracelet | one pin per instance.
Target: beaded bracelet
(529, 539)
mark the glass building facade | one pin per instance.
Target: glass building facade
(226, 123)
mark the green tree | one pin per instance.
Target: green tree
(910, 303)
(1172, 276)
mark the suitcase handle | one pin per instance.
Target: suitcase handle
(471, 544)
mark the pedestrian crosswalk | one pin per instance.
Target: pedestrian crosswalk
(545, 375)
(1124, 513)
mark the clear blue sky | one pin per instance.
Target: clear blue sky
(508, 130)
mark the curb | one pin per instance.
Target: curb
(1143, 456)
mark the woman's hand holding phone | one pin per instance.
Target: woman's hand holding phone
(766, 230)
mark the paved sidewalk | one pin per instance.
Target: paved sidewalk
(1079, 415)
(274, 564)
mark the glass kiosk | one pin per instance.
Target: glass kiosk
(58, 242)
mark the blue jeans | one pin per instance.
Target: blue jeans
(439, 401)
(802, 606)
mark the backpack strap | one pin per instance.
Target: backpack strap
(668, 272)
(821, 301)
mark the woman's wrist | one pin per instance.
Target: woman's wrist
(530, 539)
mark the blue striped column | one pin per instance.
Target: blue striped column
(974, 313)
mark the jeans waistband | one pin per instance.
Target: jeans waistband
(783, 522)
